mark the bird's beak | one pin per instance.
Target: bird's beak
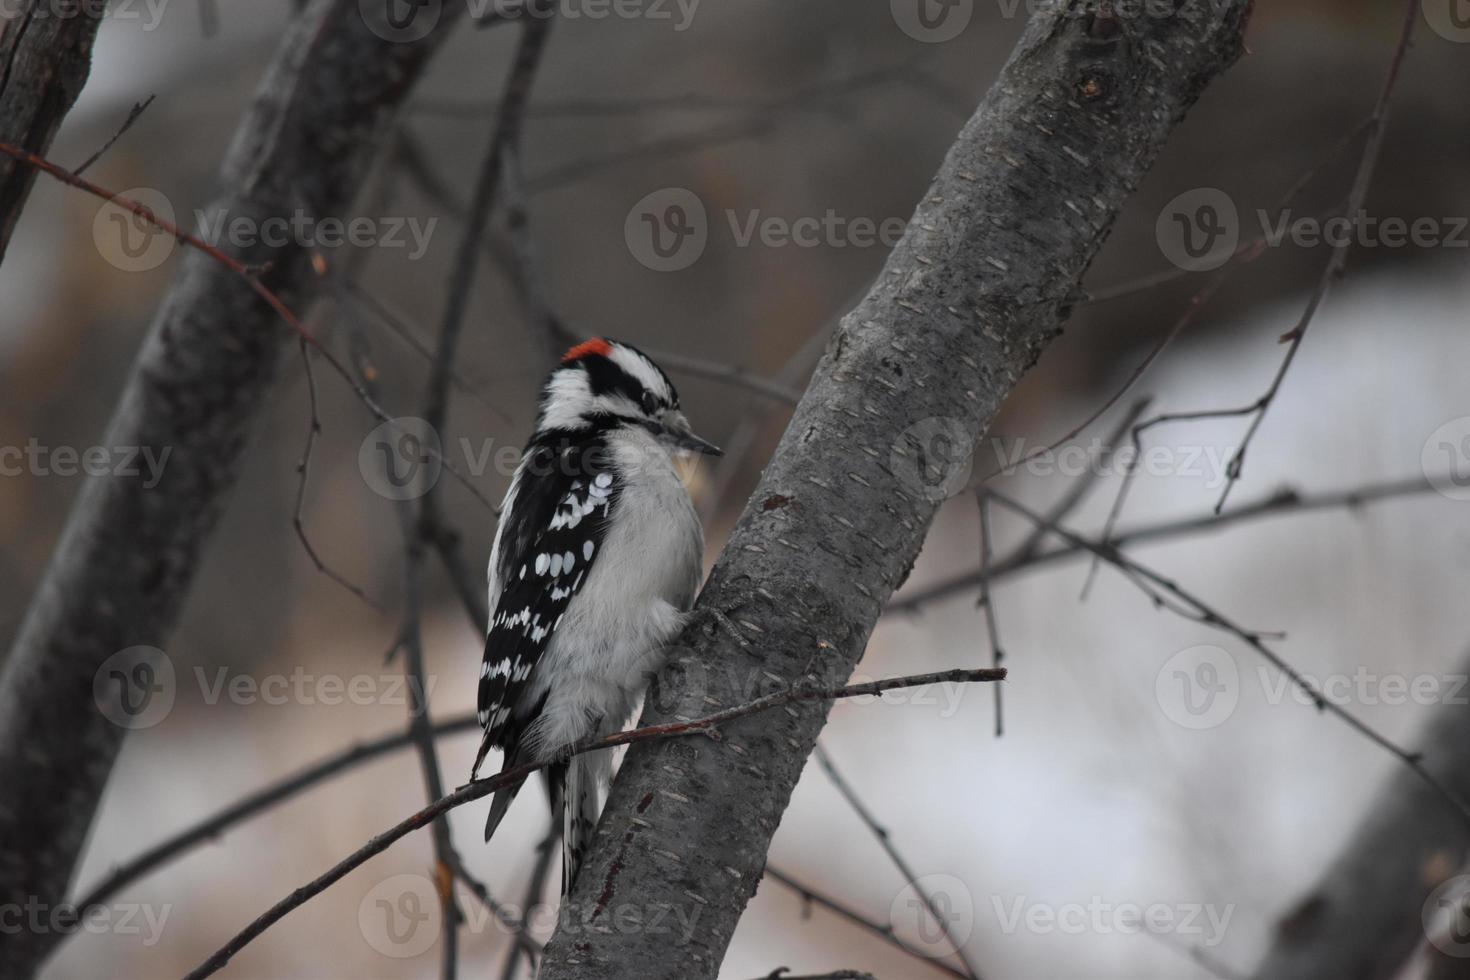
(677, 431)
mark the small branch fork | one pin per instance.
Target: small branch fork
(707, 726)
(257, 802)
(1374, 126)
(885, 840)
(423, 526)
(1372, 131)
(1166, 593)
(1286, 501)
(1337, 264)
(250, 276)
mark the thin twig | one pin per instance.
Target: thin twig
(398, 324)
(127, 124)
(1283, 502)
(1083, 485)
(813, 897)
(251, 279)
(409, 639)
(548, 336)
(303, 471)
(1202, 612)
(707, 726)
(421, 529)
(885, 840)
(212, 827)
(730, 374)
(793, 373)
(518, 924)
(535, 888)
(987, 604)
(1337, 264)
(1244, 253)
(784, 973)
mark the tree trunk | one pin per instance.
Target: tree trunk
(44, 61)
(129, 551)
(1365, 917)
(981, 281)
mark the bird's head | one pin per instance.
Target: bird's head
(603, 382)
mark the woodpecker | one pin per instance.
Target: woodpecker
(595, 565)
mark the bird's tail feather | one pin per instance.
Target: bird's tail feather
(579, 816)
(501, 802)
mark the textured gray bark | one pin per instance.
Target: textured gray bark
(981, 281)
(44, 61)
(1363, 919)
(128, 554)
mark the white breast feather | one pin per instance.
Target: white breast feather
(644, 579)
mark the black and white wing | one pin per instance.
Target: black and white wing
(550, 536)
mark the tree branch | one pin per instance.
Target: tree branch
(44, 63)
(709, 726)
(987, 271)
(1282, 502)
(129, 553)
(1364, 916)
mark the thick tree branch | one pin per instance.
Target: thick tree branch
(983, 278)
(44, 62)
(129, 553)
(1364, 917)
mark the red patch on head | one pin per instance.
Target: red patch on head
(587, 348)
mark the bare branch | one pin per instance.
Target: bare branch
(708, 726)
(885, 841)
(980, 282)
(1337, 264)
(46, 60)
(1282, 503)
(882, 930)
(129, 552)
(1162, 590)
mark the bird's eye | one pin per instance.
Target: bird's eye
(650, 404)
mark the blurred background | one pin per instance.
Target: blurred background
(1103, 794)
